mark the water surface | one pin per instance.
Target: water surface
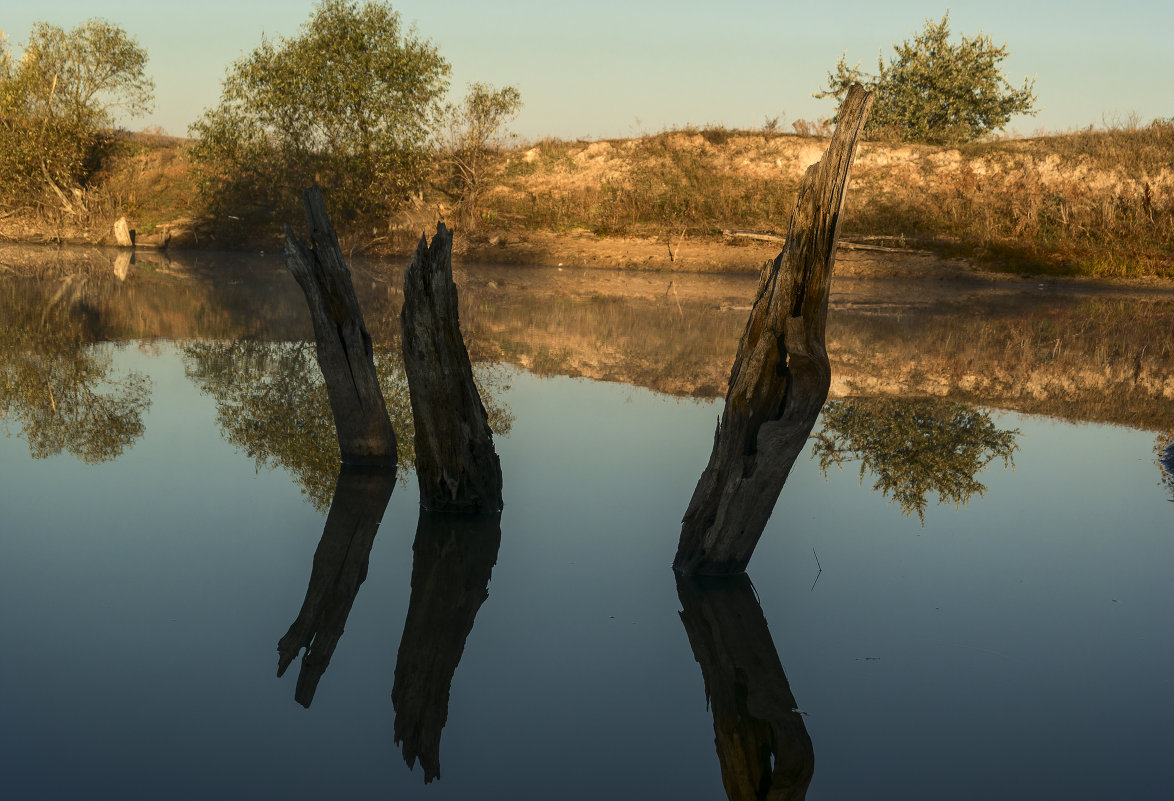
(1015, 645)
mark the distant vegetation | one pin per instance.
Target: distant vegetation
(356, 103)
(1095, 202)
(349, 103)
(935, 91)
(469, 135)
(57, 105)
(353, 103)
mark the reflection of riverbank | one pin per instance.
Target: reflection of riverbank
(1065, 349)
(1065, 352)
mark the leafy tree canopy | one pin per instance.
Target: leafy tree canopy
(470, 130)
(60, 389)
(913, 447)
(87, 75)
(271, 403)
(349, 103)
(59, 97)
(937, 92)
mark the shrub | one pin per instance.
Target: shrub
(59, 99)
(937, 92)
(349, 103)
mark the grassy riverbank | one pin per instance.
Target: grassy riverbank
(1093, 203)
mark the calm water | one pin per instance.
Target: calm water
(161, 542)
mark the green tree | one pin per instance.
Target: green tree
(86, 76)
(471, 131)
(913, 447)
(271, 403)
(349, 104)
(59, 99)
(56, 386)
(937, 92)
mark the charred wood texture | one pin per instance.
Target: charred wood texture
(365, 435)
(340, 566)
(454, 558)
(781, 374)
(456, 464)
(762, 744)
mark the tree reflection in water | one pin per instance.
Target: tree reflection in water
(271, 403)
(913, 447)
(762, 743)
(454, 555)
(339, 569)
(58, 387)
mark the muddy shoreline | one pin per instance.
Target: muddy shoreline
(620, 265)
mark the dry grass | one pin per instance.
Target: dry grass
(1097, 202)
(677, 181)
(1093, 202)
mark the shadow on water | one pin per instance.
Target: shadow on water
(762, 742)
(339, 569)
(454, 555)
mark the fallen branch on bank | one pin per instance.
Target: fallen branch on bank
(738, 234)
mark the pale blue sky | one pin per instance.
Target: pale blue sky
(622, 67)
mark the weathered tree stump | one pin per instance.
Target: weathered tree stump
(365, 435)
(340, 566)
(762, 743)
(457, 467)
(454, 558)
(781, 374)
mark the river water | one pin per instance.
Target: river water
(168, 479)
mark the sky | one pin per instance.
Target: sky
(617, 68)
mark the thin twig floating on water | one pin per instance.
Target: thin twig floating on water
(817, 575)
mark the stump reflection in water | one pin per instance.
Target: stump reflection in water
(340, 567)
(454, 558)
(762, 743)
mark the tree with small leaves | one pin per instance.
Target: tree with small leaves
(349, 104)
(913, 447)
(469, 133)
(935, 91)
(59, 100)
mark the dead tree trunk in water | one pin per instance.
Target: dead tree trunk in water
(781, 375)
(456, 464)
(365, 435)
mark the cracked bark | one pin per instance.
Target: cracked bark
(781, 375)
(456, 463)
(365, 435)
